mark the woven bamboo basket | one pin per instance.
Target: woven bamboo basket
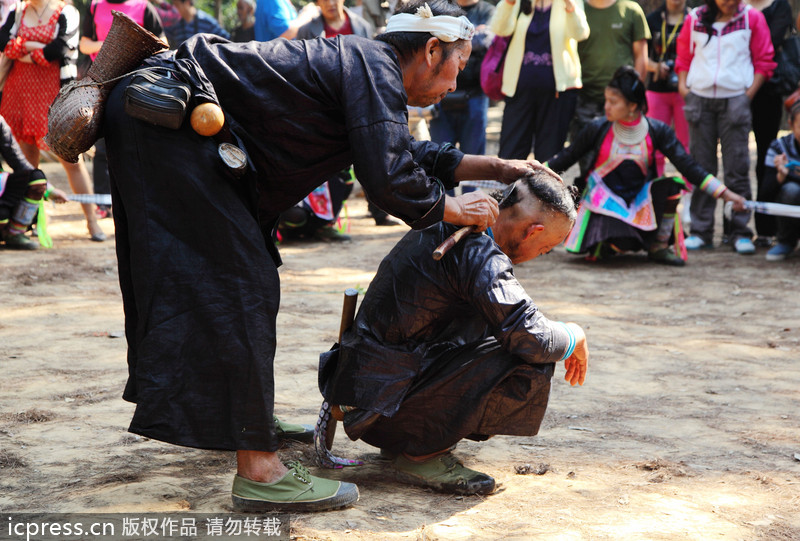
(75, 116)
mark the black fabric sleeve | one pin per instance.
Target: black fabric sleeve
(583, 144)
(487, 280)
(5, 31)
(68, 23)
(395, 170)
(10, 150)
(439, 161)
(386, 166)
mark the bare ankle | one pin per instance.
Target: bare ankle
(259, 466)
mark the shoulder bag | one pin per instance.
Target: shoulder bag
(492, 68)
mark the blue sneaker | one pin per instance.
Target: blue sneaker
(693, 242)
(780, 251)
(744, 246)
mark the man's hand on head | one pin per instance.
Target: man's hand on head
(474, 208)
(577, 363)
(511, 170)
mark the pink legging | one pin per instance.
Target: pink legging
(668, 108)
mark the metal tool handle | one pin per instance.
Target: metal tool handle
(96, 198)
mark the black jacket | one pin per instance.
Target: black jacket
(418, 311)
(591, 137)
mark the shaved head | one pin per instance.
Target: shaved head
(536, 216)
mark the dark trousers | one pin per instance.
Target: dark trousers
(475, 391)
(465, 126)
(788, 230)
(536, 121)
(767, 109)
(727, 120)
(15, 189)
(101, 180)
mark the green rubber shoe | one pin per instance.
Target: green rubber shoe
(289, 431)
(444, 473)
(19, 242)
(665, 256)
(296, 492)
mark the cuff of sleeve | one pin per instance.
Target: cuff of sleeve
(444, 167)
(571, 341)
(38, 57)
(712, 186)
(15, 49)
(436, 212)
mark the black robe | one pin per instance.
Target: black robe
(441, 350)
(197, 267)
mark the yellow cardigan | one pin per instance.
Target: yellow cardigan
(566, 30)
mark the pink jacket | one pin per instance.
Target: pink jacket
(725, 65)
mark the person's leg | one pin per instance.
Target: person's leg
(734, 133)
(703, 135)
(441, 128)
(516, 132)
(78, 178)
(476, 389)
(789, 228)
(666, 195)
(100, 179)
(474, 392)
(201, 293)
(767, 111)
(31, 153)
(659, 106)
(471, 126)
(679, 119)
(552, 123)
(23, 192)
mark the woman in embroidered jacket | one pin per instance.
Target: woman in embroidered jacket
(625, 206)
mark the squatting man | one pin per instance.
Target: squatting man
(452, 349)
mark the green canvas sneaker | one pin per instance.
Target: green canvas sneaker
(444, 473)
(296, 492)
(289, 431)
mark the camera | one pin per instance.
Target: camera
(672, 77)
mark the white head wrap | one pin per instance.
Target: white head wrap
(444, 27)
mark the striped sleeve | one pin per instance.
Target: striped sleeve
(64, 47)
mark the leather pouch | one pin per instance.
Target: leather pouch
(157, 96)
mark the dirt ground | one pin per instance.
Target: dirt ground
(688, 426)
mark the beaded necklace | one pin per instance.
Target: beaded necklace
(631, 134)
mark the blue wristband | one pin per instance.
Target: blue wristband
(571, 341)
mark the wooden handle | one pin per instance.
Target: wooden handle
(348, 310)
(348, 315)
(452, 240)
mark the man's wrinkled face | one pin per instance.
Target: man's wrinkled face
(554, 232)
(440, 78)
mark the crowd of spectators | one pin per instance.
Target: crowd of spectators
(560, 60)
